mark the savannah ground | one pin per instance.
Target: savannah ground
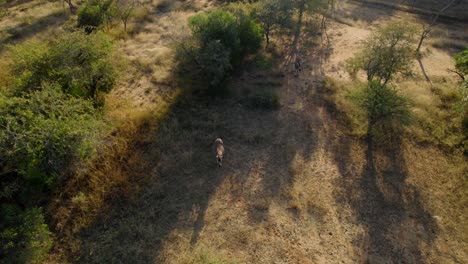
(298, 185)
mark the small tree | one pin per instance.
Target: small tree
(274, 14)
(387, 52)
(125, 9)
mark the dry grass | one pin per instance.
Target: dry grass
(203, 255)
(116, 172)
(336, 93)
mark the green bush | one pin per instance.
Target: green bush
(461, 61)
(218, 43)
(81, 64)
(250, 33)
(214, 62)
(387, 111)
(90, 17)
(218, 26)
(42, 133)
(94, 13)
(24, 236)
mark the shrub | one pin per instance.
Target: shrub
(94, 13)
(214, 62)
(219, 41)
(90, 17)
(81, 64)
(25, 238)
(387, 111)
(216, 26)
(42, 133)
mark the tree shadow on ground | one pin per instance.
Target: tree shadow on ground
(396, 225)
(183, 177)
(26, 30)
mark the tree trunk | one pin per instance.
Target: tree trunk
(433, 22)
(423, 36)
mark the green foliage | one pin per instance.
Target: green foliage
(387, 111)
(25, 238)
(219, 41)
(94, 13)
(90, 17)
(387, 52)
(250, 33)
(274, 14)
(216, 26)
(461, 61)
(214, 61)
(42, 133)
(81, 64)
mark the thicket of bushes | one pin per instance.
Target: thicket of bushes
(50, 121)
(80, 64)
